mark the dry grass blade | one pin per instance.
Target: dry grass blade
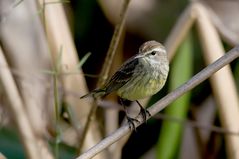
(180, 30)
(23, 27)
(222, 82)
(16, 106)
(222, 14)
(59, 35)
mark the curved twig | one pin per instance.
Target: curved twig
(164, 102)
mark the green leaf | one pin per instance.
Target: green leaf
(171, 132)
(83, 60)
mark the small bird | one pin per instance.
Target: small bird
(141, 76)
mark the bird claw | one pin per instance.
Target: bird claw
(131, 123)
(144, 113)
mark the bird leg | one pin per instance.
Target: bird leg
(129, 119)
(144, 112)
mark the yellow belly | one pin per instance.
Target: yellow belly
(141, 88)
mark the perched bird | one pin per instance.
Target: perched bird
(140, 76)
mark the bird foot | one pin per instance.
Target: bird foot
(144, 113)
(131, 122)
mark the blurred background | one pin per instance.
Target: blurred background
(52, 53)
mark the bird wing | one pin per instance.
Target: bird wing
(122, 76)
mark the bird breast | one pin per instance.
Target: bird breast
(147, 80)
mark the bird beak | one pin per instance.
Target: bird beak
(139, 56)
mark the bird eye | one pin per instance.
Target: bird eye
(153, 53)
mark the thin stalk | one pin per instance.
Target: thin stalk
(113, 45)
(56, 102)
(106, 67)
(195, 124)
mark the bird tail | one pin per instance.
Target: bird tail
(95, 93)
